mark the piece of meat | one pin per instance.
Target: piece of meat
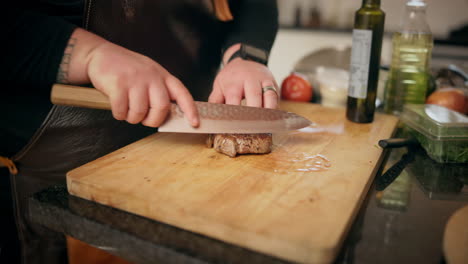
(233, 144)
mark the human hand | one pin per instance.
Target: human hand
(244, 79)
(139, 89)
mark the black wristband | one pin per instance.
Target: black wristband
(234, 55)
(247, 52)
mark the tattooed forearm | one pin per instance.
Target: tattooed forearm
(62, 75)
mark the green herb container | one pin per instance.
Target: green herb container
(441, 132)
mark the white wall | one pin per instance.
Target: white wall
(443, 15)
(292, 45)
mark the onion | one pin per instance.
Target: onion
(452, 98)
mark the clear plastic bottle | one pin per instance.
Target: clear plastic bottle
(409, 76)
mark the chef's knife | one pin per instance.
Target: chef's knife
(214, 118)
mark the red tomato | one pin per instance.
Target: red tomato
(296, 88)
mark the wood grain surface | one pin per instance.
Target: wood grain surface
(291, 203)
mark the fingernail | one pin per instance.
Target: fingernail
(195, 122)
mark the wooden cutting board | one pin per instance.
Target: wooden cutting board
(291, 203)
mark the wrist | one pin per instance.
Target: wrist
(77, 55)
(246, 52)
(229, 52)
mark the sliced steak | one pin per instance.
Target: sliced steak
(233, 144)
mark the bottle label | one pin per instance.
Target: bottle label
(359, 65)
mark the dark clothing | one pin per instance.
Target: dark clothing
(182, 36)
(36, 35)
(38, 31)
(9, 244)
(68, 138)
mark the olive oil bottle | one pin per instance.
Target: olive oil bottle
(409, 77)
(365, 62)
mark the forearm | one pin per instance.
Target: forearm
(76, 56)
(255, 23)
(32, 49)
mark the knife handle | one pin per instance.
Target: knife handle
(70, 95)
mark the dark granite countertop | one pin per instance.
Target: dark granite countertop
(402, 220)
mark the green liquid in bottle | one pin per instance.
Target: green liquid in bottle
(409, 76)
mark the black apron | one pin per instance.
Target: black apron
(183, 36)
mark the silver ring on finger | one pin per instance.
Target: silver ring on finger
(269, 88)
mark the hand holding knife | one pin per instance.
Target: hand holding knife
(214, 118)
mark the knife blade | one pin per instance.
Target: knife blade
(214, 118)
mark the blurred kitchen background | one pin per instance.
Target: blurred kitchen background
(443, 16)
(308, 27)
